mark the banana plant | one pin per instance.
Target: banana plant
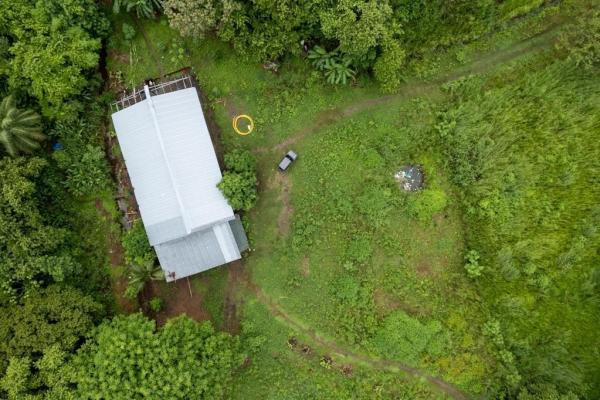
(339, 71)
(335, 66)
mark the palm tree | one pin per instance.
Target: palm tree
(139, 274)
(20, 130)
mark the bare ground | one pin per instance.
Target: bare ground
(231, 304)
(115, 250)
(179, 298)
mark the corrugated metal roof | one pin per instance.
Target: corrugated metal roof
(174, 172)
(189, 255)
(172, 164)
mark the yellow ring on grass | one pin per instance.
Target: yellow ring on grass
(250, 126)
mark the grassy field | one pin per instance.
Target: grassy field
(352, 288)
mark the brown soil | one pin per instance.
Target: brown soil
(231, 304)
(119, 56)
(179, 298)
(425, 269)
(386, 302)
(305, 267)
(232, 109)
(115, 249)
(284, 219)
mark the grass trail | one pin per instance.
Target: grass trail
(486, 62)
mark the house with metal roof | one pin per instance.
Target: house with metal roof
(174, 172)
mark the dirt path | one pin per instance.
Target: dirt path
(231, 303)
(282, 183)
(348, 355)
(115, 250)
(538, 42)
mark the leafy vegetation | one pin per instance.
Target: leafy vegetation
(140, 274)
(183, 359)
(142, 8)
(485, 282)
(21, 129)
(239, 180)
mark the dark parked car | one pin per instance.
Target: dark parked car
(287, 160)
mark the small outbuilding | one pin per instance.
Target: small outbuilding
(174, 171)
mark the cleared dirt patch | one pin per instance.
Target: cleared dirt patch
(235, 277)
(115, 251)
(305, 267)
(179, 298)
(119, 56)
(284, 219)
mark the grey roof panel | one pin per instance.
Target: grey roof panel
(164, 231)
(189, 255)
(238, 233)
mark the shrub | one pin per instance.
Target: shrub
(581, 40)
(156, 304)
(128, 358)
(388, 67)
(197, 17)
(142, 8)
(139, 275)
(425, 204)
(472, 266)
(136, 245)
(335, 66)
(405, 338)
(86, 169)
(128, 32)
(239, 189)
(239, 181)
(240, 161)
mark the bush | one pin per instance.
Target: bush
(388, 67)
(239, 189)
(472, 266)
(86, 169)
(405, 338)
(425, 204)
(137, 248)
(582, 41)
(142, 8)
(128, 32)
(240, 161)
(128, 358)
(156, 304)
(196, 17)
(239, 181)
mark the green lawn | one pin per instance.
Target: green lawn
(339, 251)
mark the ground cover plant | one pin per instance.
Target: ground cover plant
(483, 284)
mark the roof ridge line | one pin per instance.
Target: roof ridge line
(164, 154)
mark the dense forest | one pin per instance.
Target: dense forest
(512, 200)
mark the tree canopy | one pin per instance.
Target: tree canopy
(31, 250)
(127, 358)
